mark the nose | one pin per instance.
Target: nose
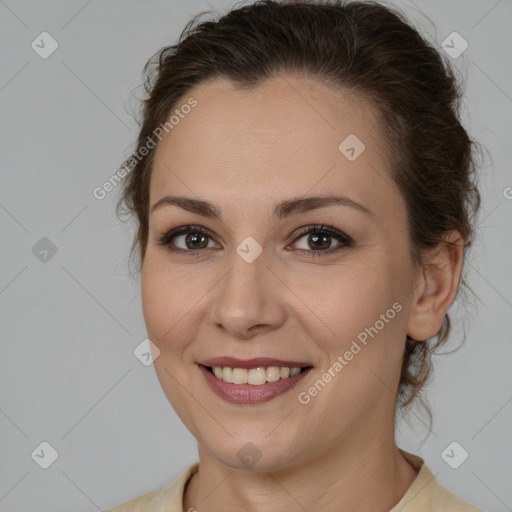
(249, 299)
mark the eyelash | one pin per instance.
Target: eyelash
(166, 238)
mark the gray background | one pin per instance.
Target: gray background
(69, 325)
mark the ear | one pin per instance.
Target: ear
(437, 287)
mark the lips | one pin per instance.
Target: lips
(249, 391)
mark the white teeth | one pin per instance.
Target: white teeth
(239, 376)
(273, 373)
(257, 376)
(254, 376)
(227, 374)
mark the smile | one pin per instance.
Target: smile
(252, 385)
(254, 376)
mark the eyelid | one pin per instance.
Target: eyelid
(167, 236)
(321, 228)
(344, 239)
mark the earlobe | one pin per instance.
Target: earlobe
(437, 289)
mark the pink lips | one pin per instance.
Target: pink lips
(248, 393)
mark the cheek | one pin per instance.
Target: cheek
(167, 303)
(364, 320)
(349, 298)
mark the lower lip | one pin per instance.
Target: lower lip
(249, 393)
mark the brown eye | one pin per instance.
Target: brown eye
(195, 241)
(319, 239)
(189, 239)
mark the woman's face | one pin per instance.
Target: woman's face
(258, 285)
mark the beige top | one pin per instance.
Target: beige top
(424, 495)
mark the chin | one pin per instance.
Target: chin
(253, 453)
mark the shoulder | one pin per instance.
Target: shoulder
(138, 504)
(426, 494)
(444, 500)
(165, 499)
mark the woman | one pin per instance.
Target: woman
(305, 197)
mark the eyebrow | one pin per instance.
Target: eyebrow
(281, 210)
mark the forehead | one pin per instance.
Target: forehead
(279, 139)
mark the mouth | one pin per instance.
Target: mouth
(252, 381)
(255, 376)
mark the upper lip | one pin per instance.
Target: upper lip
(256, 362)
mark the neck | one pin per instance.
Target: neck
(365, 473)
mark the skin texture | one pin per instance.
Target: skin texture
(244, 151)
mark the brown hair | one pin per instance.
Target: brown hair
(363, 47)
